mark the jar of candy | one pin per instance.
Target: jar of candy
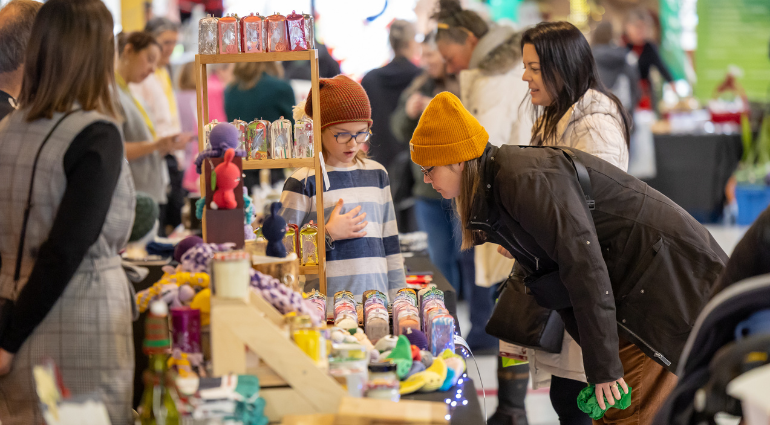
(307, 337)
(383, 382)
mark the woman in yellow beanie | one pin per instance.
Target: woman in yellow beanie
(630, 264)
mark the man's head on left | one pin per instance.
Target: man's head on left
(16, 20)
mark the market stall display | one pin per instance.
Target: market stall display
(256, 148)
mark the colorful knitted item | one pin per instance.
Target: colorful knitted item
(168, 289)
(416, 337)
(283, 298)
(436, 143)
(184, 245)
(198, 258)
(342, 100)
(402, 357)
(587, 402)
(455, 368)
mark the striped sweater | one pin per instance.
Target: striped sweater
(357, 265)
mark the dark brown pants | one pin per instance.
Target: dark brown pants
(651, 384)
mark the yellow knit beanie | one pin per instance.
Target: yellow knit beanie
(447, 133)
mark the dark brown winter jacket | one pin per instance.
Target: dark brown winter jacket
(638, 265)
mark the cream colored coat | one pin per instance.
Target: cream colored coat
(493, 91)
(593, 125)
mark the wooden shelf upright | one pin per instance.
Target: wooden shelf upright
(201, 78)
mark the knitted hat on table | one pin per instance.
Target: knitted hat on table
(342, 100)
(146, 212)
(447, 134)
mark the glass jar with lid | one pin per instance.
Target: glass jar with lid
(383, 382)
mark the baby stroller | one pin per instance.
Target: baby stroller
(713, 357)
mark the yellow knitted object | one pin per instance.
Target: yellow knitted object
(425, 382)
(202, 302)
(197, 281)
(447, 134)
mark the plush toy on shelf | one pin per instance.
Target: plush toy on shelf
(225, 178)
(223, 136)
(273, 229)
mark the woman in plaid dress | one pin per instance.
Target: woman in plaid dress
(62, 161)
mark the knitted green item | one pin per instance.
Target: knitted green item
(145, 214)
(402, 357)
(587, 402)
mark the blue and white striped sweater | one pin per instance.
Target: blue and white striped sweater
(357, 265)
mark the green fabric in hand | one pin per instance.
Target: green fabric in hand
(587, 402)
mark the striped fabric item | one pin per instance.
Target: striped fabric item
(356, 265)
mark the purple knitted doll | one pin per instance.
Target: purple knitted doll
(222, 137)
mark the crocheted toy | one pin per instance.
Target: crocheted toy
(225, 178)
(173, 288)
(202, 302)
(282, 297)
(222, 137)
(249, 215)
(587, 402)
(363, 339)
(197, 258)
(386, 344)
(455, 368)
(273, 229)
(402, 357)
(184, 245)
(427, 381)
(416, 337)
(184, 362)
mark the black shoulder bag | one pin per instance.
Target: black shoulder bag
(6, 305)
(525, 313)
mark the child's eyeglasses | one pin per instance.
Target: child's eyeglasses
(426, 171)
(345, 137)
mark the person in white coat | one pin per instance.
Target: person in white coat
(573, 109)
(487, 60)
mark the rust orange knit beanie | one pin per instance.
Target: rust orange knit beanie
(342, 100)
(447, 133)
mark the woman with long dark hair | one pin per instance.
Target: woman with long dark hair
(571, 108)
(628, 272)
(66, 209)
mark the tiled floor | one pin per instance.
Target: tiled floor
(539, 410)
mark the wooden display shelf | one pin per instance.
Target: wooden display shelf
(259, 164)
(290, 381)
(201, 78)
(304, 55)
(308, 270)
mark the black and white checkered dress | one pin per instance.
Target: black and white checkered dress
(88, 332)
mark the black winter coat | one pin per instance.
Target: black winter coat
(384, 86)
(638, 264)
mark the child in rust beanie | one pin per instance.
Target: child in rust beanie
(362, 250)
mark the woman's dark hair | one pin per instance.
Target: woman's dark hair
(70, 58)
(455, 23)
(139, 40)
(569, 71)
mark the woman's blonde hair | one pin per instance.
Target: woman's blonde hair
(469, 185)
(246, 75)
(187, 77)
